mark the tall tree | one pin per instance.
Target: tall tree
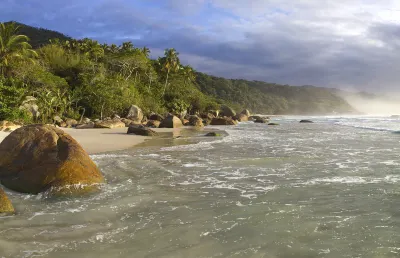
(146, 51)
(13, 47)
(170, 63)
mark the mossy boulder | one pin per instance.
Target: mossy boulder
(5, 204)
(227, 111)
(38, 158)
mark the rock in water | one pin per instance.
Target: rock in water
(195, 121)
(227, 111)
(213, 134)
(37, 158)
(141, 130)
(171, 121)
(246, 112)
(135, 114)
(223, 121)
(5, 204)
(306, 121)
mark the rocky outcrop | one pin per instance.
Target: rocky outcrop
(153, 123)
(195, 121)
(306, 121)
(227, 111)
(6, 208)
(38, 158)
(141, 130)
(135, 114)
(109, 124)
(171, 121)
(7, 126)
(223, 121)
(30, 106)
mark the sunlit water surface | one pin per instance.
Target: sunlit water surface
(328, 189)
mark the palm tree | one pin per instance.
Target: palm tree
(188, 73)
(146, 51)
(127, 46)
(170, 63)
(13, 47)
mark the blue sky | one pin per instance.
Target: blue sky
(350, 44)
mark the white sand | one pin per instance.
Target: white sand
(103, 140)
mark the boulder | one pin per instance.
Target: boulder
(127, 122)
(246, 112)
(86, 120)
(156, 117)
(153, 123)
(109, 124)
(242, 118)
(273, 124)
(206, 122)
(57, 120)
(185, 122)
(62, 124)
(5, 204)
(227, 111)
(141, 130)
(306, 121)
(29, 105)
(135, 113)
(144, 120)
(171, 121)
(195, 121)
(38, 158)
(223, 121)
(207, 116)
(8, 126)
(89, 125)
(261, 120)
(212, 134)
(71, 122)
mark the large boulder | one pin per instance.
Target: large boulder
(227, 111)
(109, 124)
(223, 121)
(246, 112)
(30, 106)
(8, 126)
(5, 204)
(156, 117)
(241, 118)
(141, 130)
(171, 121)
(135, 113)
(38, 158)
(71, 122)
(195, 121)
(153, 123)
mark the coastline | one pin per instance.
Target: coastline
(95, 141)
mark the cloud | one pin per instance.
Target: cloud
(346, 44)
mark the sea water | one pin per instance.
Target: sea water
(327, 189)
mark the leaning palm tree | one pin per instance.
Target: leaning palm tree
(146, 51)
(170, 63)
(13, 47)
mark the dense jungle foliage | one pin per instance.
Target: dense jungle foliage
(72, 78)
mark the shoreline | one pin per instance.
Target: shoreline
(95, 141)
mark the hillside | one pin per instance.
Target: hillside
(73, 77)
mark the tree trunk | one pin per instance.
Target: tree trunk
(83, 113)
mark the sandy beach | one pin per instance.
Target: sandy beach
(104, 140)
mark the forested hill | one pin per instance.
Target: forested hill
(71, 78)
(40, 36)
(272, 98)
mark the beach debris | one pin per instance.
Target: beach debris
(42, 158)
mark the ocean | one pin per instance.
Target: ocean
(327, 189)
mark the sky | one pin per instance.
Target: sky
(347, 44)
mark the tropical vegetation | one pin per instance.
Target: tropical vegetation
(76, 78)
